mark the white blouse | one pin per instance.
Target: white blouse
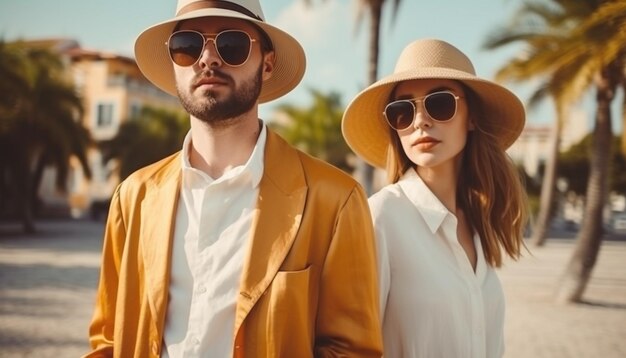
(433, 304)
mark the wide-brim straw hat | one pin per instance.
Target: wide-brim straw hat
(366, 130)
(152, 56)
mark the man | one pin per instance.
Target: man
(239, 245)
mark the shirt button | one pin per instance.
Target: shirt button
(202, 289)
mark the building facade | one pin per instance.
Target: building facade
(113, 90)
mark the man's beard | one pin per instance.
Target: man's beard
(220, 112)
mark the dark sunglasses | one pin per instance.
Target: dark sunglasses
(440, 107)
(186, 46)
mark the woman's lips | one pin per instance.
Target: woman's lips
(426, 143)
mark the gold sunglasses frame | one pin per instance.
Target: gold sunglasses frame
(414, 101)
(210, 37)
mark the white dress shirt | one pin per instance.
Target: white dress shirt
(211, 237)
(433, 304)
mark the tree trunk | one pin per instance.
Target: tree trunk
(546, 201)
(589, 238)
(3, 190)
(365, 172)
(624, 119)
(35, 200)
(23, 183)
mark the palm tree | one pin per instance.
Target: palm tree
(13, 87)
(160, 130)
(590, 55)
(548, 183)
(317, 129)
(41, 112)
(623, 140)
(542, 28)
(600, 66)
(373, 8)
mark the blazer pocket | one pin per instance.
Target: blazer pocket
(291, 318)
(290, 288)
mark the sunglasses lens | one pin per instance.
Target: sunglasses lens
(400, 114)
(185, 47)
(233, 47)
(440, 106)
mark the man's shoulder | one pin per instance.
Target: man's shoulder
(315, 171)
(328, 180)
(154, 173)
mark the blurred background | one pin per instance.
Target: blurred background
(77, 116)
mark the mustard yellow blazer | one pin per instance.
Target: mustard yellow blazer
(308, 287)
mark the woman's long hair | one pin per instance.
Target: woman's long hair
(490, 191)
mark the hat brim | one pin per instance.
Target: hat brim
(366, 131)
(154, 62)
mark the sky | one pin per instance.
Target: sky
(335, 47)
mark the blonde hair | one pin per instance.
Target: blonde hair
(491, 193)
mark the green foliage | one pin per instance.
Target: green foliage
(553, 53)
(316, 129)
(618, 170)
(41, 109)
(145, 139)
(533, 187)
(574, 166)
(570, 47)
(40, 125)
(373, 10)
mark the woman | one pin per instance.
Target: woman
(454, 207)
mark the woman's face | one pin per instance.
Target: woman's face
(427, 142)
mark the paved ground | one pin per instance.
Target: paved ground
(47, 284)
(538, 327)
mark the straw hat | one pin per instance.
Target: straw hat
(152, 55)
(364, 126)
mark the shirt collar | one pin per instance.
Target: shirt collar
(254, 165)
(420, 195)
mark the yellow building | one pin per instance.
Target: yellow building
(113, 90)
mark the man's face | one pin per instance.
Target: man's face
(214, 91)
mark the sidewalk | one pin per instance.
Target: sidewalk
(538, 327)
(47, 288)
(47, 285)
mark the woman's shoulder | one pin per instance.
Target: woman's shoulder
(388, 195)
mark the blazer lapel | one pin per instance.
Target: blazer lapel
(158, 214)
(282, 195)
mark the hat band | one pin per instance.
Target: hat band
(196, 5)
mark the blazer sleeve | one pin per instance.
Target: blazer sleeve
(384, 267)
(348, 318)
(101, 327)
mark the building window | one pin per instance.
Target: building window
(104, 116)
(135, 110)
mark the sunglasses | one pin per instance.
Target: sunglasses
(186, 46)
(440, 107)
